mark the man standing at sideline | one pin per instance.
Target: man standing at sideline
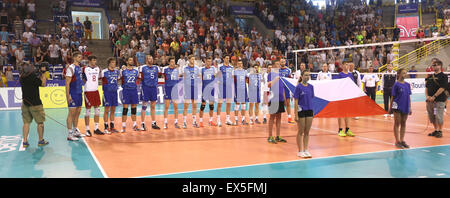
(387, 82)
(32, 105)
(435, 92)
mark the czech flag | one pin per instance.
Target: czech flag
(338, 98)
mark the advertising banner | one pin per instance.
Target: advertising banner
(408, 27)
(242, 10)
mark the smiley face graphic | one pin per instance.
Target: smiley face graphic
(58, 97)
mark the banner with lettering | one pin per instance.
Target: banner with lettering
(408, 27)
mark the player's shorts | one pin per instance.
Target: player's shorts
(225, 92)
(208, 93)
(241, 96)
(191, 93)
(92, 99)
(130, 96)
(171, 92)
(149, 93)
(254, 96)
(305, 114)
(77, 100)
(110, 99)
(276, 107)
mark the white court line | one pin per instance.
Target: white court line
(442, 154)
(426, 151)
(364, 138)
(422, 176)
(267, 163)
(21, 146)
(95, 159)
(392, 121)
(440, 174)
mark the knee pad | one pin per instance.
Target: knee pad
(202, 107)
(144, 107)
(133, 111)
(125, 111)
(211, 107)
(243, 107)
(97, 111)
(236, 107)
(87, 113)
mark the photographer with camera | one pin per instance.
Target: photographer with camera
(32, 108)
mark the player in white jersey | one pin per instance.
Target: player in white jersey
(91, 74)
(324, 74)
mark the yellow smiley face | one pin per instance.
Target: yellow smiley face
(58, 97)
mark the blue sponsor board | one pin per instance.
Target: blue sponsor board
(242, 10)
(408, 8)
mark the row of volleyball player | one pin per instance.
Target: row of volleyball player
(237, 85)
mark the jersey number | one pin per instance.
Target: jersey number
(131, 79)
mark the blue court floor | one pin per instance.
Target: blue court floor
(74, 159)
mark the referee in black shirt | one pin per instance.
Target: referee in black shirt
(436, 90)
(87, 29)
(32, 108)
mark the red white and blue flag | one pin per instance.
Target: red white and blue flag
(338, 98)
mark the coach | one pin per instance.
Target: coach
(32, 108)
(436, 94)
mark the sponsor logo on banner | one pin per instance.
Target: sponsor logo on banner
(408, 27)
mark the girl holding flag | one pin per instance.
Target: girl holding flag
(303, 95)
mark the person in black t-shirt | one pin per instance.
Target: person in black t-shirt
(87, 28)
(32, 107)
(436, 93)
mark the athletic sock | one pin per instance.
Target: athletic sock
(141, 123)
(124, 124)
(256, 117)
(211, 119)
(201, 119)
(112, 125)
(218, 118)
(96, 126)
(243, 118)
(106, 126)
(176, 121)
(340, 129)
(154, 123)
(134, 123)
(184, 118)
(346, 129)
(194, 118)
(289, 116)
(87, 128)
(228, 117)
(236, 117)
(165, 120)
(265, 116)
(70, 132)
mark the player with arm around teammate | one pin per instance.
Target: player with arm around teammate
(91, 74)
(172, 77)
(254, 93)
(129, 77)
(109, 77)
(208, 81)
(149, 78)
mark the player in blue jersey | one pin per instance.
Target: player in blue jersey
(254, 93)
(74, 95)
(287, 73)
(191, 80)
(208, 82)
(224, 76)
(345, 74)
(149, 78)
(129, 77)
(172, 77)
(109, 77)
(240, 88)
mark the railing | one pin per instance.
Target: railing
(417, 55)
